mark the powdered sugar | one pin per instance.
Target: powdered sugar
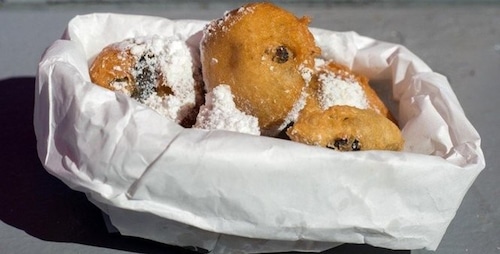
(220, 113)
(319, 63)
(223, 23)
(334, 91)
(121, 86)
(342, 89)
(162, 62)
(297, 107)
(306, 74)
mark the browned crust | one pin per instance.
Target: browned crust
(339, 127)
(238, 50)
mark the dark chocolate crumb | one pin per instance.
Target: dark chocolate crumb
(120, 80)
(344, 144)
(340, 143)
(145, 83)
(281, 55)
(356, 146)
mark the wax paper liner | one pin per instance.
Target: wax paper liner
(229, 192)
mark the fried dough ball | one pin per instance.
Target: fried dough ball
(155, 71)
(346, 128)
(344, 113)
(265, 55)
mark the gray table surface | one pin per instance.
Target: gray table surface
(460, 41)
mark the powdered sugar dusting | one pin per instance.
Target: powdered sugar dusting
(178, 73)
(292, 116)
(334, 91)
(121, 86)
(227, 20)
(306, 74)
(220, 113)
(301, 101)
(162, 62)
(318, 63)
(297, 107)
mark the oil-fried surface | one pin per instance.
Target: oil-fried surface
(259, 51)
(346, 128)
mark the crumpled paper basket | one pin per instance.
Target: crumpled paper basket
(229, 192)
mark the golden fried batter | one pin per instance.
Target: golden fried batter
(346, 128)
(112, 65)
(262, 52)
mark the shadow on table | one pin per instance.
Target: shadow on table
(35, 201)
(42, 206)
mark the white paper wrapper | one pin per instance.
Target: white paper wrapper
(230, 192)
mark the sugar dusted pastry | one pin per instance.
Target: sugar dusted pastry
(265, 55)
(344, 113)
(346, 128)
(156, 71)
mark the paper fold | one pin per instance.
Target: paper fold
(231, 192)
